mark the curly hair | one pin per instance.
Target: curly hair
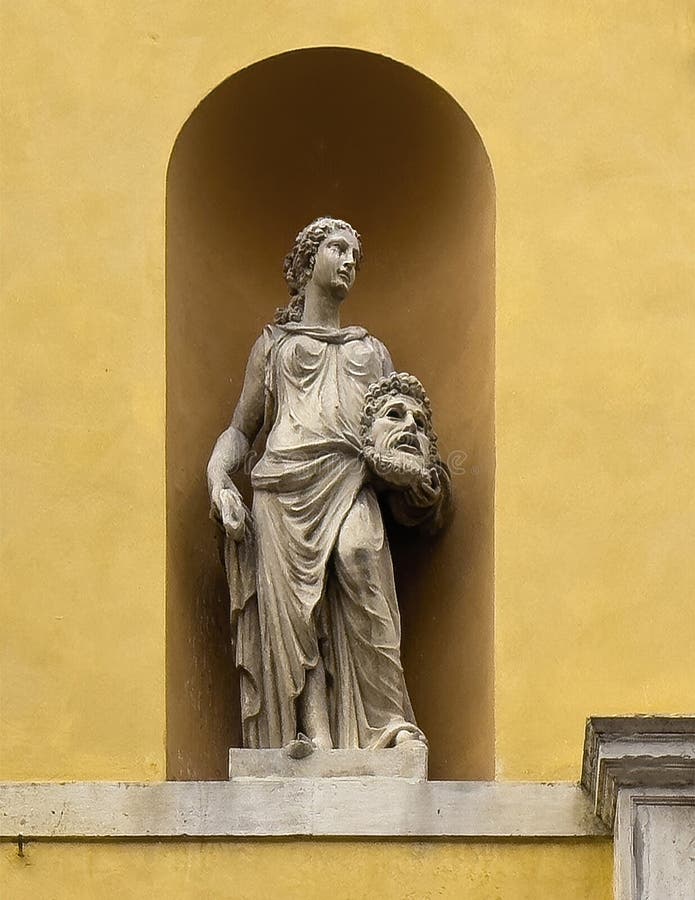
(390, 386)
(299, 263)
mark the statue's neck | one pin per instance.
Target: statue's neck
(320, 308)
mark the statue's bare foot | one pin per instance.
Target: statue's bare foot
(406, 735)
(301, 747)
(323, 742)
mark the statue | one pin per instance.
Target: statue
(314, 609)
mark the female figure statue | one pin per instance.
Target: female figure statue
(311, 582)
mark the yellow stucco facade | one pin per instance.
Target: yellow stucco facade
(585, 112)
(359, 871)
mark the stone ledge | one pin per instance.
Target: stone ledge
(353, 807)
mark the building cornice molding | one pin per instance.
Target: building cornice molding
(636, 752)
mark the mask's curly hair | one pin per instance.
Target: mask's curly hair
(390, 386)
(299, 263)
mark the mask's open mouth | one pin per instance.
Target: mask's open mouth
(408, 443)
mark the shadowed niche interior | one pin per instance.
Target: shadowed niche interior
(357, 136)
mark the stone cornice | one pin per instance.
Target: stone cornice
(636, 751)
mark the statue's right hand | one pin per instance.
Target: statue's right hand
(233, 513)
(228, 507)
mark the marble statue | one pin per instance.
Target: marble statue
(314, 609)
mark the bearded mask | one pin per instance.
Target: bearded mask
(399, 444)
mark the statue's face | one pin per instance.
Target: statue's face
(336, 264)
(399, 433)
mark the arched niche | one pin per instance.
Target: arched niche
(359, 136)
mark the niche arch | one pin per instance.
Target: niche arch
(362, 137)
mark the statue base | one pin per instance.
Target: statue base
(408, 761)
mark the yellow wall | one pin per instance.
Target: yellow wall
(585, 110)
(309, 871)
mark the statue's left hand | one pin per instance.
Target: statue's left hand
(426, 491)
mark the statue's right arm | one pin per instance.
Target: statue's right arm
(234, 444)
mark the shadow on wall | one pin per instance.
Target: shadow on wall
(358, 136)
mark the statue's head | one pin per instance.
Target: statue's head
(327, 249)
(396, 429)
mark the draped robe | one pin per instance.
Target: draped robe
(313, 577)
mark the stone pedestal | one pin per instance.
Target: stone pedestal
(640, 774)
(409, 761)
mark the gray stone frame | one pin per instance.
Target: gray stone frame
(639, 772)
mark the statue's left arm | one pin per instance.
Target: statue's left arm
(386, 361)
